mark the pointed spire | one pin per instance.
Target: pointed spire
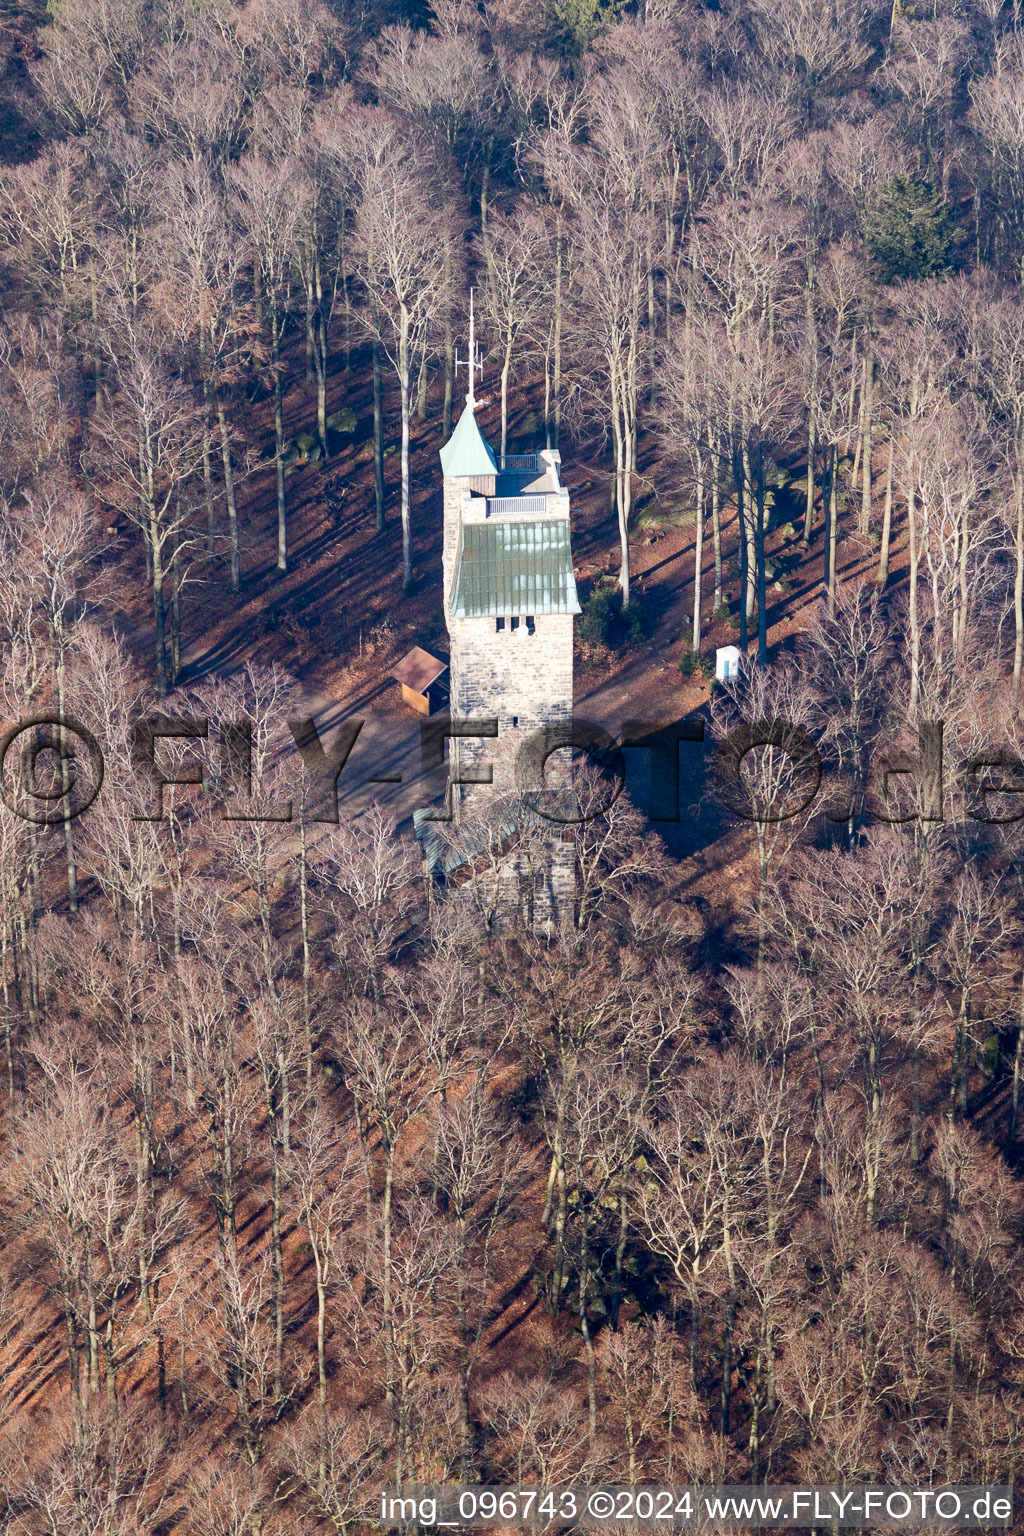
(467, 451)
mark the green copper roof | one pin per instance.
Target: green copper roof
(466, 452)
(515, 568)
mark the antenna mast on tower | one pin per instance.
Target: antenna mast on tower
(473, 363)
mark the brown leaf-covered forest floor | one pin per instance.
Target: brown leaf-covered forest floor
(337, 622)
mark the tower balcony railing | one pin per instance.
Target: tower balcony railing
(514, 506)
(519, 463)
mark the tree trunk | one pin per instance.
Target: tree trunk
(749, 529)
(176, 623)
(698, 560)
(319, 341)
(405, 383)
(744, 557)
(547, 387)
(6, 948)
(158, 609)
(828, 494)
(75, 1370)
(485, 181)
(561, 1223)
(833, 533)
(421, 390)
(229, 487)
(211, 520)
(730, 1312)
(557, 359)
(279, 1282)
(588, 1346)
(307, 968)
(282, 524)
(883, 554)
(716, 527)
(321, 384)
(389, 1183)
(865, 461)
(307, 276)
(1018, 1069)
(809, 503)
(1018, 585)
(378, 438)
(762, 595)
(321, 1364)
(65, 777)
(505, 367)
(621, 481)
(915, 620)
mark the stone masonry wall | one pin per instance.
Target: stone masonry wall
(524, 681)
(512, 676)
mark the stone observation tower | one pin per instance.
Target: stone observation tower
(509, 601)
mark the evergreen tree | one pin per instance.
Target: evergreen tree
(909, 230)
(579, 21)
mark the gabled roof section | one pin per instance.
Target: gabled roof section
(515, 568)
(467, 451)
(419, 669)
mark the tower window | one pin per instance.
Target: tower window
(499, 624)
(531, 624)
(514, 624)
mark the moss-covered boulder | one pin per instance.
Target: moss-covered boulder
(343, 422)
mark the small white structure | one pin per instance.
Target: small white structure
(727, 662)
